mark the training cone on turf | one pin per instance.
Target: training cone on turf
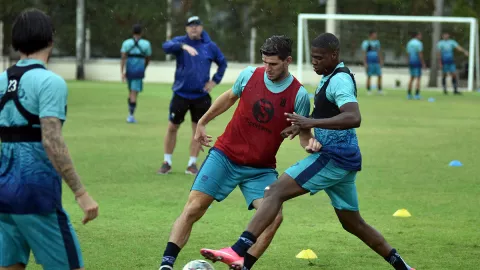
(402, 213)
(455, 163)
(431, 99)
(307, 254)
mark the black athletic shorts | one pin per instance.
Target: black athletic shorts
(180, 105)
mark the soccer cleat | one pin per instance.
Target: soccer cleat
(165, 169)
(131, 119)
(165, 267)
(409, 96)
(457, 93)
(192, 169)
(225, 255)
(380, 92)
(417, 97)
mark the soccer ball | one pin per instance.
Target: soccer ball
(198, 265)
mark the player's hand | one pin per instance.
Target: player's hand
(290, 132)
(202, 137)
(89, 207)
(301, 121)
(466, 54)
(209, 86)
(124, 76)
(313, 146)
(424, 66)
(192, 51)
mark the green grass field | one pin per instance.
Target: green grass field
(406, 148)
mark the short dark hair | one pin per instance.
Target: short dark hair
(32, 31)
(371, 32)
(277, 45)
(416, 33)
(137, 29)
(327, 41)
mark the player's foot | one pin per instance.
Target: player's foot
(417, 97)
(457, 93)
(369, 93)
(131, 119)
(381, 93)
(445, 92)
(165, 169)
(409, 96)
(192, 169)
(165, 267)
(226, 255)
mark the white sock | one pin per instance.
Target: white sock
(192, 160)
(168, 158)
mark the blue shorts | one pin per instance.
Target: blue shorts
(415, 71)
(449, 68)
(135, 85)
(50, 237)
(218, 177)
(318, 172)
(374, 69)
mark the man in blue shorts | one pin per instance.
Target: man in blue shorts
(334, 168)
(373, 60)
(35, 158)
(136, 52)
(415, 62)
(446, 60)
(239, 158)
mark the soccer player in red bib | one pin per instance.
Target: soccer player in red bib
(244, 155)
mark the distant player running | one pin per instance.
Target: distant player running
(446, 60)
(333, 169)
(244, 155)
(373, 60)
(35, 158)
(136, 52)
(416, 63)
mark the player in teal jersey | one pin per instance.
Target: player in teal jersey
(373, 60)
(415, 62)
(446, 60)
(35, 158)
(136, 52)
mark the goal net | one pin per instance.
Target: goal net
(393, 32)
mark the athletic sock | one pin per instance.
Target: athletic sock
(249, 261)
(396, 261)
(170, 254)
(409, 91)
(245, 241)
(444, 83)
(454, 82)
(131, 106)
(191, 161)
(167, 158)
(417, 92)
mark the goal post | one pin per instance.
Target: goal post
(473, 49)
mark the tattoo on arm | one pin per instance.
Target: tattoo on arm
(58, 154)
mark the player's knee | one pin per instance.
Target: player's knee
(352, 225)
(172, 128)
(194, 210)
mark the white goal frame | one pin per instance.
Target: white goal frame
(303, 45)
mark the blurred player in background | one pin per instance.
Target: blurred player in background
(416, 62)
(334, 168)
(244, 155)
(195, 53)
(136, 53)
(446, 60)
(34, 156)
(373, 60)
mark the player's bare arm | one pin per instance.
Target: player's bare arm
(461, 49)
(147, 61)
(348, 118)
(219, 106)
(122, 65)
(59, 156)
(439, 58)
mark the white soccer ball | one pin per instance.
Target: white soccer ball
(198, 265)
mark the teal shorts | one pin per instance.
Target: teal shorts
(318, 172)
(51, 238)
(449, 68)
(415, 71)
(135, 85)
(219, 176)
(374, 69)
